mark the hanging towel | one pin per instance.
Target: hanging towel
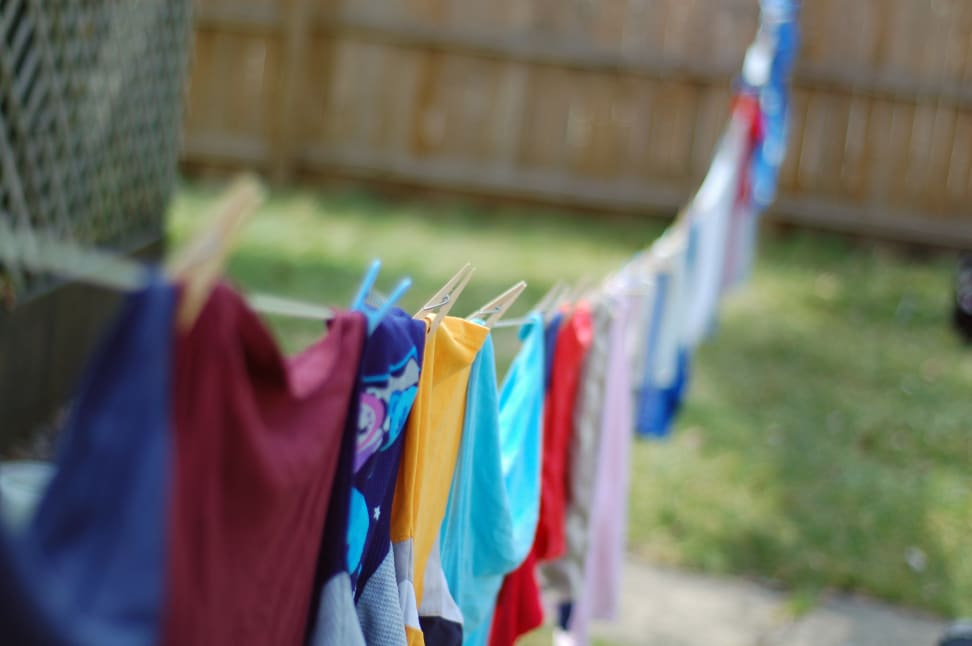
(432, 438)
(257, 444)
(89, 569)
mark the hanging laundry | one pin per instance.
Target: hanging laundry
(708, 215)
(377, 489)
(663, 367)
(742, 245)
(519, 608)
(550, 345)
(603, 557)
(470, 530)
(432, 439)
(22, 486)
(741, 235)
(89, 570)
(521, 432)
(563, 577)
(766, 72)
(257, 439)
(354, 610)
(574, 339)
(26, 614)
(473, 528)
(336, 622)
(494, 502)
(635, 273)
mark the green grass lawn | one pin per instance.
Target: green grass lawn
(827, 438)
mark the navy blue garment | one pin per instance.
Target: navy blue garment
(357, 535)
(550, 342)
(564, 610)
(387, 386)
(332, 589)
(22, 617)
(92, 562)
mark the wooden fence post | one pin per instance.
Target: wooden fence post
(297, 25)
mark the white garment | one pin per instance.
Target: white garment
(709, 214)
(671, 253)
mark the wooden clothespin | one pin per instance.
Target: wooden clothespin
(200, 263)
(494, 310)
(446, 297)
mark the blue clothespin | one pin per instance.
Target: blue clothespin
(376, 314)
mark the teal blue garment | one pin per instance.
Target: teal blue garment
(494, 502)
(521, 437)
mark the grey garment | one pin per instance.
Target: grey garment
(638, 329)
(563, 578)
(380, 609)
(337, 622)
(403, 557)
(437, 600)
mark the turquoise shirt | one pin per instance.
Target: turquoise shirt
(491, 515)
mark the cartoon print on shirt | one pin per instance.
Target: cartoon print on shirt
(383, 411)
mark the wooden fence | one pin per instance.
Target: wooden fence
(612, 104)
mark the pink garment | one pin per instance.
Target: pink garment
(609, 510)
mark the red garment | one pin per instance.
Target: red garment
(256, 446)
(519, 608)
(573, 342)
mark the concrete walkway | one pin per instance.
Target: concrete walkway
(663, 607)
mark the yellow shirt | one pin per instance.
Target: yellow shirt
(432, 439)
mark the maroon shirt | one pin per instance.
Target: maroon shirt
(256, 445)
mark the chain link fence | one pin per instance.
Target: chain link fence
(90, 116)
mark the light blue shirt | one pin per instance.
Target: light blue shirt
(494, 502)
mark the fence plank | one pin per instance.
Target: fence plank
(295, 47)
